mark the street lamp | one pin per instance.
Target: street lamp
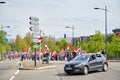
(105, 9)
(2, 2)
(4, 27)
(72, 32)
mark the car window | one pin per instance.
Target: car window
(81, 57)
(98, 55)
(92, 57)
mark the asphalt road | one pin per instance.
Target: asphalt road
(57, 73)
(8, 69)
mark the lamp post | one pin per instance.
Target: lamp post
(72, 32)
(2, 2)
(4, 27)
(105, 9)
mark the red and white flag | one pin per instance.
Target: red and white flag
(46, 47)
(28, 49)
(40, 39)
(78, 51)
(67, 47)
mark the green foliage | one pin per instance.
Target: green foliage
(2, 37)
(84, 45)
(61, 44)
(2, 49)
(114, 47)
(28, 38)
(111, 50)
(22, 46)
(96, 43)
(20, 43)
(12, 45)
(8, 48)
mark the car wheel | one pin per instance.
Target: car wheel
(85, 70)
(105, 67)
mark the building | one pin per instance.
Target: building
(116, 32)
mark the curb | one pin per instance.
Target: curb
(113, 60)
(46, 67)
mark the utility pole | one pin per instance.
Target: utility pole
(105, 10)
(72, 33)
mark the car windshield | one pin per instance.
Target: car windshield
(81, 58)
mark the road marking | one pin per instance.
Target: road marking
(17, 72)
(14, 74)
(12, 77)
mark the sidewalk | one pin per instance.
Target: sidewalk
(113, 60)
(30, 65)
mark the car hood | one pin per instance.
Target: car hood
(74, 62)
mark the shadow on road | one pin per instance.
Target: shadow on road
(7, 68)
(77, 74)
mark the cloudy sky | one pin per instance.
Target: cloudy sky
(54, 15)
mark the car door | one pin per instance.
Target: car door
(92, 62)
(99, 60)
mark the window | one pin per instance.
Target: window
(92, 57)
(98, 55)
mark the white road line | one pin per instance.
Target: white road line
(12, 77)
(17, 72)
(14, 74)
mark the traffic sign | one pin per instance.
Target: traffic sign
(34, 18)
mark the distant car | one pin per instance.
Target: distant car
(85, 63)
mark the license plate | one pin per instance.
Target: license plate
(68, 68)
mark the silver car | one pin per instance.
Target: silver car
(85, 63)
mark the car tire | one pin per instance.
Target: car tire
(85, 70)
(105, 67)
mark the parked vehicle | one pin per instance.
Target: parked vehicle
(85, 63)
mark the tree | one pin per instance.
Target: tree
(84, 45)
(28, 38)
(8, 48)
(2, 51)
(114, 47)
(2, 37)
(22, 46)
(12, 45)
(20, 43)
(96, 43)
(117, 43)
(17, 41)
(3, 44)
(62, 44)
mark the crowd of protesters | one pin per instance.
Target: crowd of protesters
(53, 56)
(13, 55)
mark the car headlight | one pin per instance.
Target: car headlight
(78, 65)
